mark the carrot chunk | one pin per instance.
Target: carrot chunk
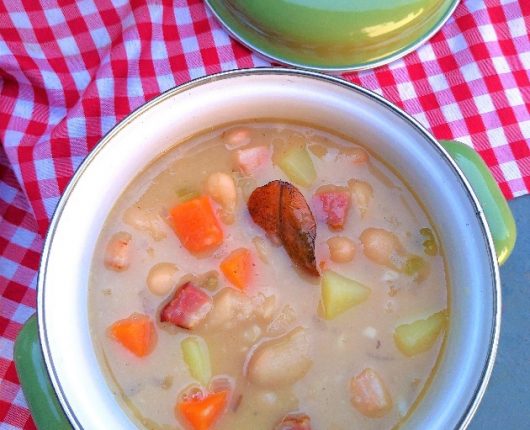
(203, 412)
(136, 333)
(196, 225)
(237, 267)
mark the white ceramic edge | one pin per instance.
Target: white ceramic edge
(486, 371)
(371, 65)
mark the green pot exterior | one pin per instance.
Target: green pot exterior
(337, 34)
(42, 400)
(496, 209)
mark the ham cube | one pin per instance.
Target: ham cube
(331, 205)
(251, 159)
(188, 307)
(294, 422)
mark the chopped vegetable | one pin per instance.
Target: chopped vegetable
(237, 267)
(186, 194)
(294, 422)
(282, 211)
(117, 253)
(188, 307)
(370, 395)
(197, 358)
(203, 412)
(340, 294)
(331, 205)
(136, 333)
(196, 225)
(298, 166)
(280, 362)
(251, 159)
(429, 245)
(416, 267)
(419, 336)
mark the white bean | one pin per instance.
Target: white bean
(382, 247)
(236, 137)
(221, 187)
(145, 220)
(117, 253)
(341, 249)
(281, 361)
(362, 194)
(162, 278)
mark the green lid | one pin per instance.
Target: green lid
(333, 34)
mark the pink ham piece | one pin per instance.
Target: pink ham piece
(294, 422)
(188, 307)
(251, 159)
(331, 205)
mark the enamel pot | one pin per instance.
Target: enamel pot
(475, 226)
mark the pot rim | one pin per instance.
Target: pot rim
(472, 406)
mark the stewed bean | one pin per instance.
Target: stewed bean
(341, 249)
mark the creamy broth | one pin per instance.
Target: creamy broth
(281, 298)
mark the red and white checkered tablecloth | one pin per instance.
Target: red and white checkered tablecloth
(71, 69)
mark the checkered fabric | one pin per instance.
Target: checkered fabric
(71, 69)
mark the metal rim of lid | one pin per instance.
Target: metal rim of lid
(262, 52)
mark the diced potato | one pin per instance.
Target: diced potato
(340, 294)
(197, 358)
(419, 336)
(298, 166)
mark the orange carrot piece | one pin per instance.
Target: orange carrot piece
(136, 333)
(196, 225)
(237, 267)
(203, 412)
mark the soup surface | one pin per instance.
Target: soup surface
(268, 276)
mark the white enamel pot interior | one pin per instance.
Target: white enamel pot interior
(474, 298)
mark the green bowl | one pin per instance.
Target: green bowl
(332, 35)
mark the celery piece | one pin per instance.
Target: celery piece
(340, 293)
(197, 358)
(185, 194)
(419, 336)
(429, 244)
(417, 268)
(298, 166)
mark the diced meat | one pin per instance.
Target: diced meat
(251, 159)
(294, 422)
(188, 307)
(369, 394)
(332, 204)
